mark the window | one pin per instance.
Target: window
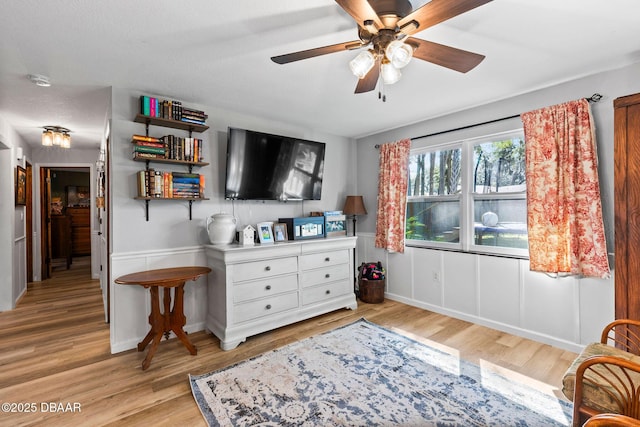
(469, 195)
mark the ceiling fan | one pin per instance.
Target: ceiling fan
(386, 27)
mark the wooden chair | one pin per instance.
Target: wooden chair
(605, 377)
(611, 420)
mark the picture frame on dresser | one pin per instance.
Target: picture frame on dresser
(21, 186)
(280, 232)
(265, 233)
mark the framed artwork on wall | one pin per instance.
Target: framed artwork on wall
(21, 186)
(265, 233)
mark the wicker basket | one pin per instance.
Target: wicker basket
(371, 291)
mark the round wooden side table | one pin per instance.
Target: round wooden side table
(170, 319)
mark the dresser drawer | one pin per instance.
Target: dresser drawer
(320, 293)
(247, 291)
(324, 275)
(263, 269)
(323, 259)
(265, 307)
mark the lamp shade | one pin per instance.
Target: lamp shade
(390, 74)
(362, 64)
(354, 205)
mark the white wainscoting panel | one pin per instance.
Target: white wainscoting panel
(498, 289)
(427, 276)
(550, 305)
(498, 292)
(400, 276)
(459, 277)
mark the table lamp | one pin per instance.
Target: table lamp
(354, 206)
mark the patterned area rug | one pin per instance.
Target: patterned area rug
(364, 375)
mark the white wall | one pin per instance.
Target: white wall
(169, 238)
(501, 292)
(13, 241)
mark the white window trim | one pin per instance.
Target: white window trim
(467, 198)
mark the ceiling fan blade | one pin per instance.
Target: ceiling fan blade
(445, 56)
(434, 12)
(318, 51)
(362, 12)
(370, 80)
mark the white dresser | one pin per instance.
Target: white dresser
(253, 289)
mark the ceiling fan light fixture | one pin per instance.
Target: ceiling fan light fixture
(389, 73)
(362, 64)
(399, 53)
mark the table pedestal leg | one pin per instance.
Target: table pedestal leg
(178, 320)
(165, 322)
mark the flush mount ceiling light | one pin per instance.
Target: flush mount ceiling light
(39, 80)
(386, 28)
(56, 136)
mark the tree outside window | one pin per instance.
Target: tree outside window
(484, 177)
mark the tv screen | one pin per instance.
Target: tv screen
(261, 166)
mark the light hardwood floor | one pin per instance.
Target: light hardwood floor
(54, 349)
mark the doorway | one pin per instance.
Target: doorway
(65, 218)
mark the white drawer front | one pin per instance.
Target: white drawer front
(324, 275)
(263, 269)
(247, 291)
(265, 307)
(325, 292)
(323, 259)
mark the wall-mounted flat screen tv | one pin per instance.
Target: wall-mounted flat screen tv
(262, 166)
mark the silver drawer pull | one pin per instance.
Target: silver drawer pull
(327, 276)
(268, 287)
(268, 268)
(328, 291)
(268, 307)
(327, 259)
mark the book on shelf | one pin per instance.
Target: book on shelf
(144, 138)
(149, 144)
(148, 156)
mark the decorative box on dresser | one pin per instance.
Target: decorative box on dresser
(253, 289)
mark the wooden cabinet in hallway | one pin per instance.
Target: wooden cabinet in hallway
(80, 230)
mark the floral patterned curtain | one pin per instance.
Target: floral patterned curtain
(564, 212)
(392, 195)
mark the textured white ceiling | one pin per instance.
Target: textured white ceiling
(217, 53)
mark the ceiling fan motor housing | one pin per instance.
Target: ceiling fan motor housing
(390, 11)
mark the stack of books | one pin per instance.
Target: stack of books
(190, 115)
(168, 147)
(168, 185)
(148, 147)
(172, 110)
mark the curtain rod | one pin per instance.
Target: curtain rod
(593, 98)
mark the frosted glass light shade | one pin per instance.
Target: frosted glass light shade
(57, 138)
(390, 74)
(362, 64)
(47, 138)
(66, 141)
(399, 53)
